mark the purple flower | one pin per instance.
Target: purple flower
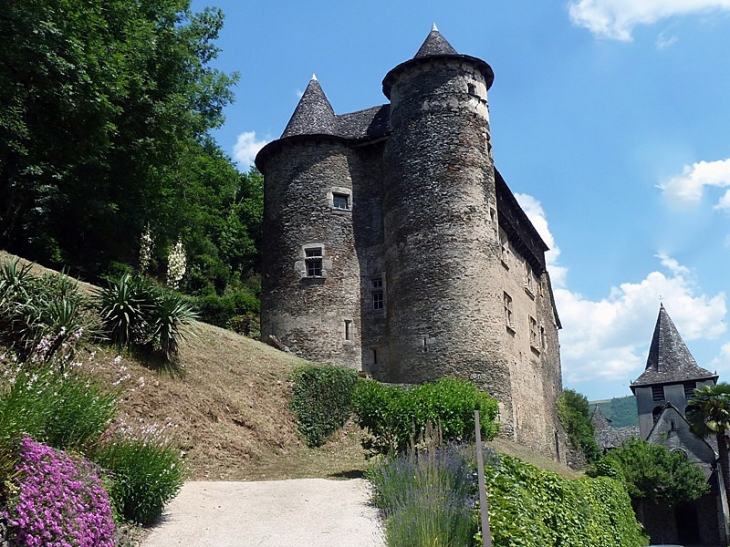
(60, 501)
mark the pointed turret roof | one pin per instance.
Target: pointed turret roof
(314, 114)
(669, 360)
(435, 44)
(435, 48)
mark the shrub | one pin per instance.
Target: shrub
(322, 400)
(59, 502)
(395, 415)
(223, 310)
(63, 410)
(146, 474)
(575, 417)
(39, 315)
(427, 498)
(530, 507)
(168, 318)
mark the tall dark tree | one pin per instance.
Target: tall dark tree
(101, 106)
(708, 413)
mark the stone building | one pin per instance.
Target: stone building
(394, 246)
(662, 394)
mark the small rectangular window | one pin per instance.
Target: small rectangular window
(657, 393)
(529, 278)
(313, 259)
(689, 390)
(340, 201)
(504, 247)
(377, 292)
(543, 338)
(508, 311)
(533, 333)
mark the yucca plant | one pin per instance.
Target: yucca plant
(169, 319)
(123, 307)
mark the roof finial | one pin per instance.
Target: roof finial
(433, 28)
(314, 77)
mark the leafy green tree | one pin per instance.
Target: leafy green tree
(654, 474)
(103, 108)
(708, 413)
(576, 419)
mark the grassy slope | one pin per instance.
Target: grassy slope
(228, 409)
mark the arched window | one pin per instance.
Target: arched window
(656, 412)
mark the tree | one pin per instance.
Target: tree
(654, 474)
(102, 106)
(575, 416)
(708, 413)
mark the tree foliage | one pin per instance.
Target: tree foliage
(105, 112)
(576, 419)
(655, 474)
(708, 413)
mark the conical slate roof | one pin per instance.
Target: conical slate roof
(314, 114)
(435, 44)
(669, 359)
(608, 436)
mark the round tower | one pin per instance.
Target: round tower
(310, 298)
(445, 317)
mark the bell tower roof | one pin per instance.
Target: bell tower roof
(669, 360)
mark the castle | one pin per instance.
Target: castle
(392, 245)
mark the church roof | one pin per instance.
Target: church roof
(608, 436)
(314, 114)
(669, 360)
(435, 44)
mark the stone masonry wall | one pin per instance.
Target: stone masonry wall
(442, 251)
(316, 317)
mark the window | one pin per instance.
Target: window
(348, 330)
(534, 340)
(529, 279)
(471, 89)
(313, 260)
(508, 311)
(504, 243)
(543, 338)
(689, 390)
(376, 286)
(340, 201)
(657, 393)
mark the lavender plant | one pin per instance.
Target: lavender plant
(60, 501)
(426, 497)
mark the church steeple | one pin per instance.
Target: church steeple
(314, 114)
(669, 359)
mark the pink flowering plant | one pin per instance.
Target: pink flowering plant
(57, 501)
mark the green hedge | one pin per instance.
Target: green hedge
(322, 400)
(397, 415)
(530, 507)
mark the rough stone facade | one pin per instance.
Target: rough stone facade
(394, 246)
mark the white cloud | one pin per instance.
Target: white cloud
(721, 363)
(609, 339)
(690, 185)
(663, 42)
(617, 18)
(246, 148)
(534, 211)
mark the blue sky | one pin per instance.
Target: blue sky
(610, 119)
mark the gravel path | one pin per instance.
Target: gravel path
(301, 513)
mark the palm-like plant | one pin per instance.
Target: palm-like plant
(708, 413)
(169, 319)
(122, 306)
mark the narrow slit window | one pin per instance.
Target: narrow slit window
(508, 311)
(313, 259)
(348, 330)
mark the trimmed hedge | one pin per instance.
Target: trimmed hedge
(396, 416)
(322, 400)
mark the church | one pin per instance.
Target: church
(393, 246)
